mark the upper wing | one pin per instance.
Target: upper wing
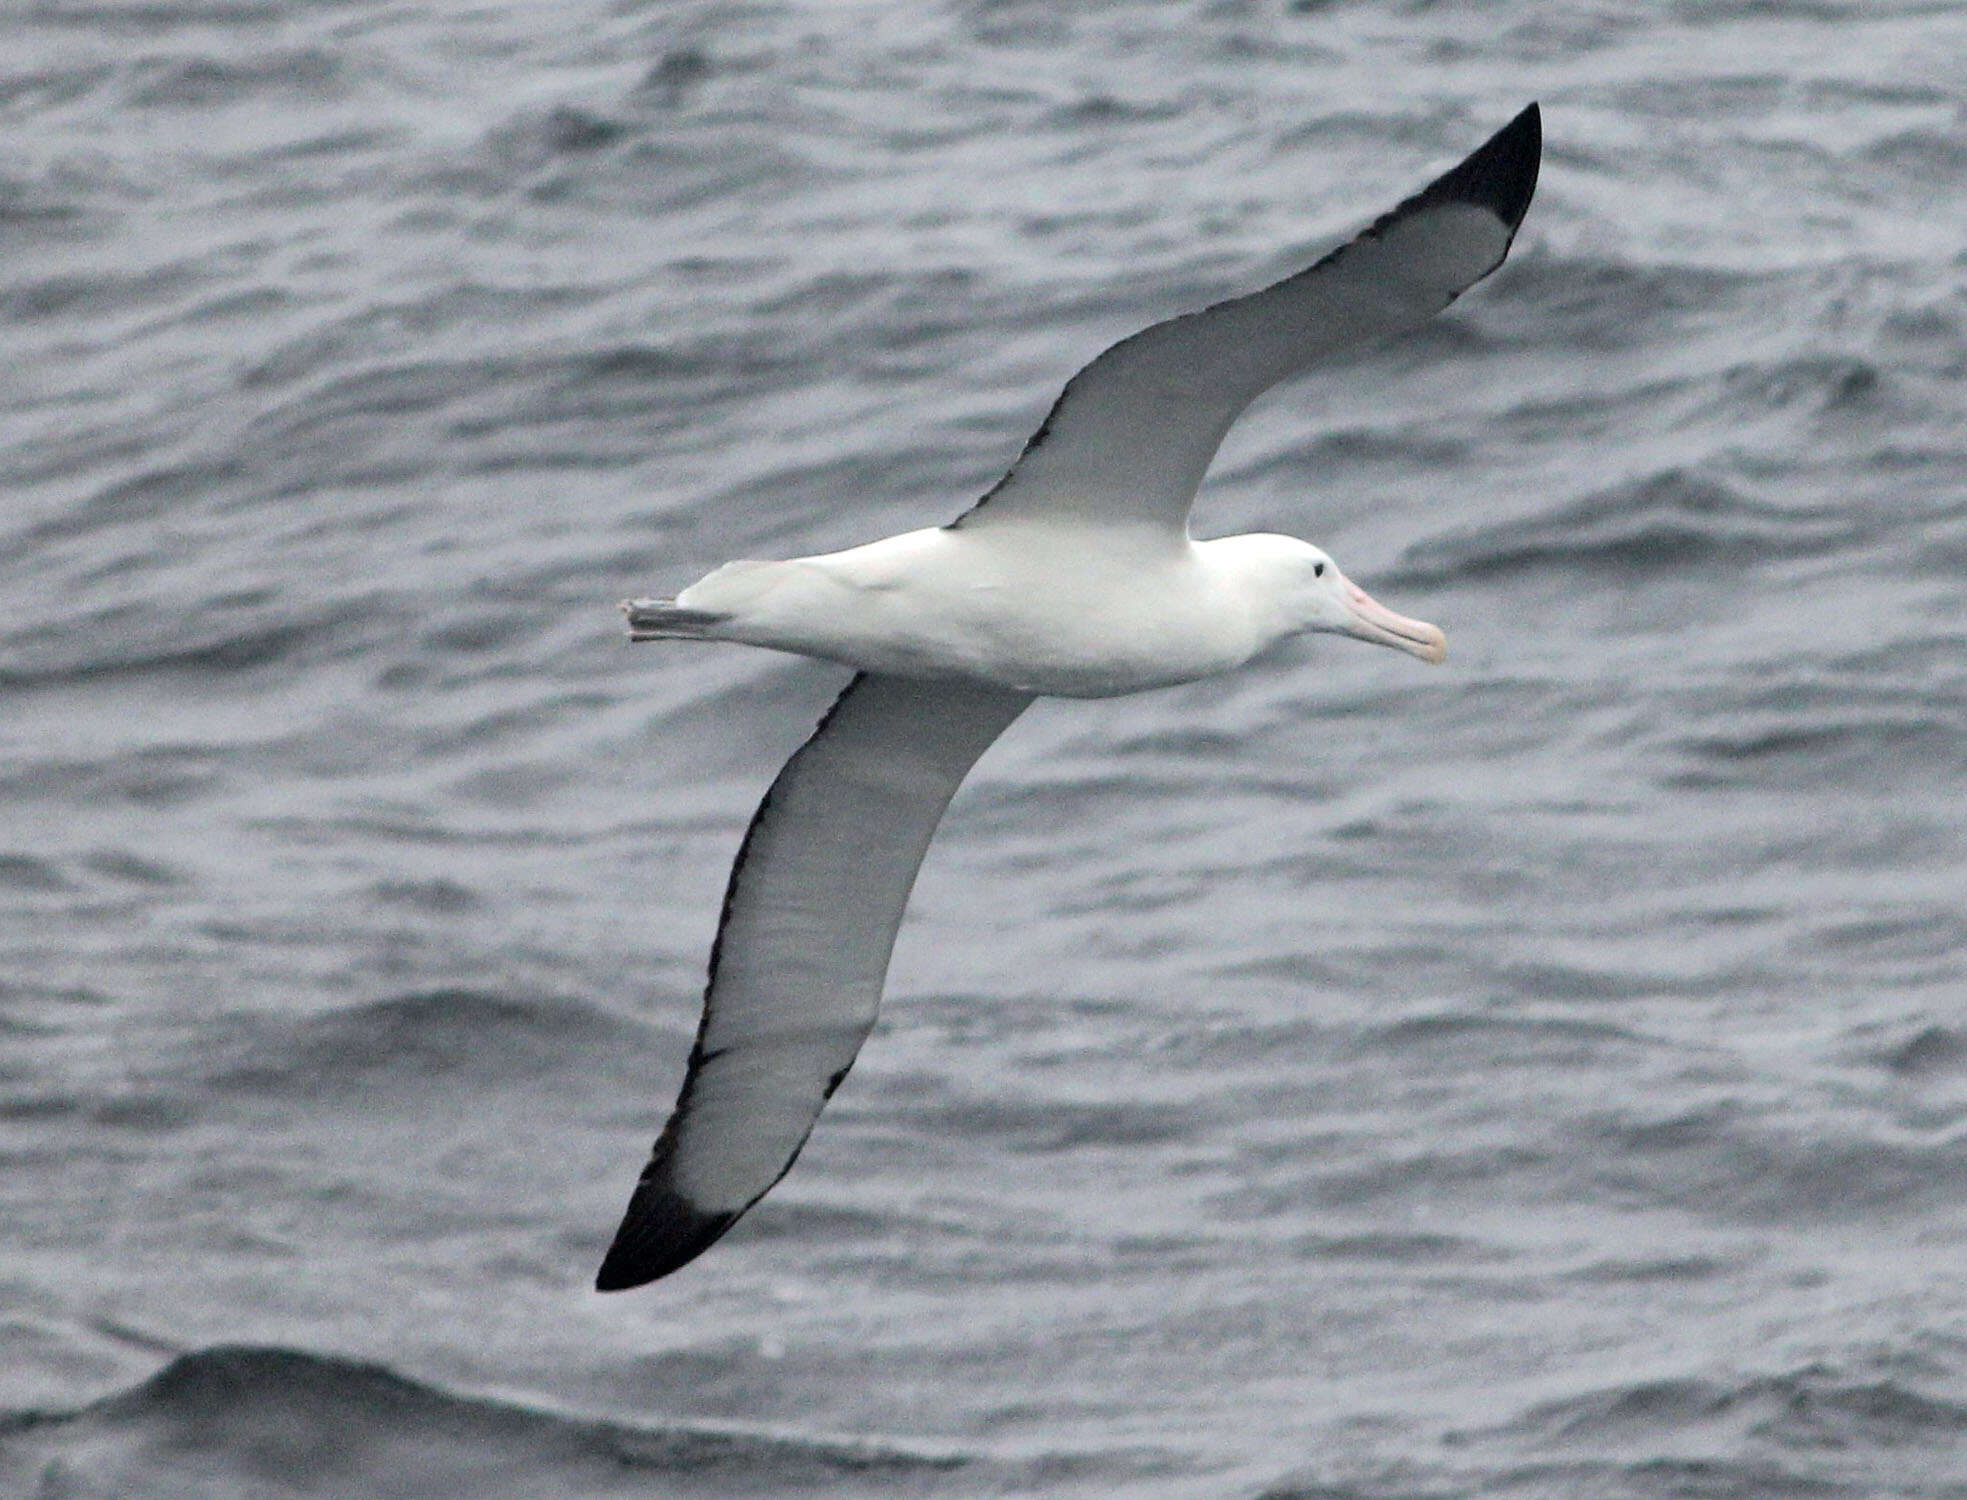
(810, 917)
(1134, 431)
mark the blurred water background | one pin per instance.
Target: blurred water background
(1541, 1076)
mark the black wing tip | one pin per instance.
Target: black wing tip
(661, 1232)
(1500, 174)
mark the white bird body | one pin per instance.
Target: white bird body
(1075, 576)
(1065, 609)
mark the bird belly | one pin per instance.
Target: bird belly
(1061, 642)
(1073, 623)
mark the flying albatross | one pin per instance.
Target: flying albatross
(1075, 575)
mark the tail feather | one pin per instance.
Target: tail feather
(665, 619)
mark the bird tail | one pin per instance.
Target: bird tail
(665, 619)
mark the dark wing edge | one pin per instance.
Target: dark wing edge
(1500, 175)
(662, 1230)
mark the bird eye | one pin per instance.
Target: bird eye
(1318, 570)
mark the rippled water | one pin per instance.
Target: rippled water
(1544, 1076)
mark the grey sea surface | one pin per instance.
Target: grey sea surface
(1545, 1075)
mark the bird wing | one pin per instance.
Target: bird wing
(1133, 432)
(810, 918)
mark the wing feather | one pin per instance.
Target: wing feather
(810, 916)
(1133, 433)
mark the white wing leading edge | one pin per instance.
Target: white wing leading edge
(1133, 432)
(810, 918)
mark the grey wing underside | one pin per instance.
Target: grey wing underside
(810, 917)
(1133, 432)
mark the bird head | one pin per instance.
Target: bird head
(1318, 597)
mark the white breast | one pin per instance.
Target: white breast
(1030, 610)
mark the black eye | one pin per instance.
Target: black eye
(1318, 570)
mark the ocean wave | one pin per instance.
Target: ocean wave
(1043, 1126)
(1822, 384)
(408, 1045)
(1885, 720)
(103, 646)
(1795, 745)
(1930, 1052)
(147, 17)
(1681, 1268)
(1507, 1040)
(97, 294)
(208, 82)
(1814, 1431)
(158, 777)
(594, 408)
(1671, 519)
(137, 499)
(1606, 303)
(1927, 155)
(273, 1421)
(1810, 1407)
(1395, 1247)
(1724, 1162)
(28, 873)
(28, 202)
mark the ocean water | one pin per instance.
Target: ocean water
(1541, 1076)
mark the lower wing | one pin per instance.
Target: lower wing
(810, 918)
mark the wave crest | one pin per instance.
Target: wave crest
(285, 1421)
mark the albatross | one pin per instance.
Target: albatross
(1075, 575)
